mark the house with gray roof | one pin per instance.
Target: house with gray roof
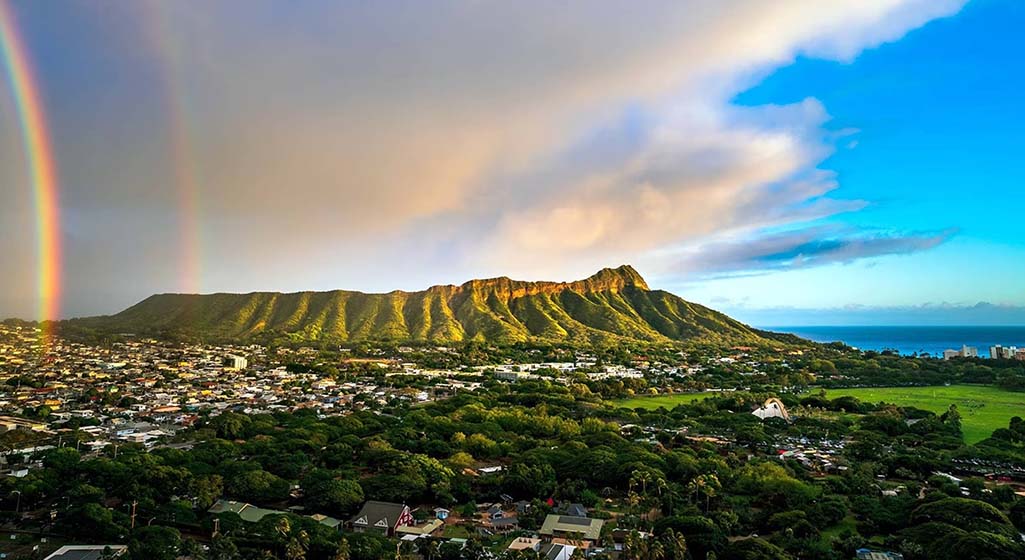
(552, 551)
(381, 517)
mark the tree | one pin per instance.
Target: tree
(706, 484)
(1017, 515)
(63, 460)
(430, 551)
(755, 549)
(676, 545)
(231, 425)
(258, 486)
(656, 550)
(223, 547)
(343, 553)
(332, 495)
(155, 543)
(296, 542)
(207, 489)
(94, 521)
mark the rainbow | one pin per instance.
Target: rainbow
(186, 172)
(42, 167)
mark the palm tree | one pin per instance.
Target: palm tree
(656, 551)
(660, 485)
(643, 477)
(631, 545)
(295, 544)
(693, 487)
(343, 552)
(707, 484)
(676, 544)
(711, 489)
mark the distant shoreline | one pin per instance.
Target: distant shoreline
(906, 340)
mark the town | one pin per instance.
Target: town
(470, 452)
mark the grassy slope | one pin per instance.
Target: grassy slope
(614, 304)
(983, 408)
(667, 401)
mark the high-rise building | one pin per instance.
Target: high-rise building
(996, 352)
(951, 354)
(969, 352)
(231, 361)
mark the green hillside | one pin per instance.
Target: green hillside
(614, 304)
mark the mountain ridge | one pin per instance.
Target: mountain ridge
(614, 304)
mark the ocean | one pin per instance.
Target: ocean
(909, 340)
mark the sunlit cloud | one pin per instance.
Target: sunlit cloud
(460, 139)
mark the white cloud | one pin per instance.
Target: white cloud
(466, 138)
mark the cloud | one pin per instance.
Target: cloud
(802, 248)
(457, 138)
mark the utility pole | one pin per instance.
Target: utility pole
(134, 503)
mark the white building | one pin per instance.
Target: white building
(772, 408)
(999, 352)
(231, 361)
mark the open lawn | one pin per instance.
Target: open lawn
(652, 402)
(983, 408)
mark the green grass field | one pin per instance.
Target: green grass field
(653, 402)
(983, 408)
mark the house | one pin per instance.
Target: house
(87, 551)
(247, 512)
(326, 520)
(524, 543)
(423, 529)
(494, 512)
(503, 524)
(568, 526)
(381, 517)
(576, 510)
(552, 551)
(866, 554)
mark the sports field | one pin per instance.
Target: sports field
(983, 408)
(669, 401)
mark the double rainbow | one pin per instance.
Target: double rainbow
(42, 167)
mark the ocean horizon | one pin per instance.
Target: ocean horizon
(909, 340)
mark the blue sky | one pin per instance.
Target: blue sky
(795, 162)
(935, 144)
